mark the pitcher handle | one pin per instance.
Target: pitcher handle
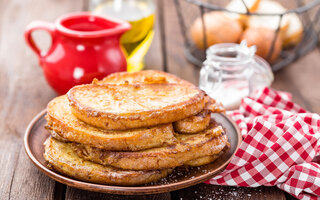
(38, 25)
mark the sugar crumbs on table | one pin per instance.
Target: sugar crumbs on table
(204, 171)
(234, 193)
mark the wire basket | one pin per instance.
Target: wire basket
(309, 14)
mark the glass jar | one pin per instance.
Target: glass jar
(233, 71)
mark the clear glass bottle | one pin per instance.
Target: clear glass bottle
(233, 71)
(141, 15)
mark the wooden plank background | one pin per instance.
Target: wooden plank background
(24, 92)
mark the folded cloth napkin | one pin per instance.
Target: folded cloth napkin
(280, 146)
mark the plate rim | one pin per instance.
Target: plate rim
(124, 190)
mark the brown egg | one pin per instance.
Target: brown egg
(262, 38)
(220, 28)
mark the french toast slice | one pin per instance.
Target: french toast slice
(61, 122)
(207, 159)
(201, 161)
(200, 121)
(121, 107)
(146, 76)
(61, 158)
(188, 147)
(151, 77)
(193, 124)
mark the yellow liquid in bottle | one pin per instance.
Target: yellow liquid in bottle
(140, 14)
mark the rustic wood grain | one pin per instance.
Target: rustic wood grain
(29, 182)
(24, 93)
(212, 192)
(76, 194)
(177, 63)
(302, 80)
(9, 152)
(154, 57)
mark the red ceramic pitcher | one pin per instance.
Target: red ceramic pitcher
(83, 47)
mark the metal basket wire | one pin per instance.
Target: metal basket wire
(309, 14)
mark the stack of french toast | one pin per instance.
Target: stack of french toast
(132, 129)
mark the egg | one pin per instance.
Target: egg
(262, 38)
(219, 28)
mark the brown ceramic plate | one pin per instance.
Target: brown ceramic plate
(180, 178)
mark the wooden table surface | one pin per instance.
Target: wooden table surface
(24, 92)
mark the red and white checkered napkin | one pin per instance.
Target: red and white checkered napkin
(280, 146)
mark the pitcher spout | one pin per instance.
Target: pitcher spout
(87, 25)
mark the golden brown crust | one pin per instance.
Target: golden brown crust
(145, 76)
(121, 107)
(213, 106)
(207, 159)
(61, 158)
(61, 122)
(202, 161)
(101, 123)
(200, 121)
(187, 148)
(193, 124)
